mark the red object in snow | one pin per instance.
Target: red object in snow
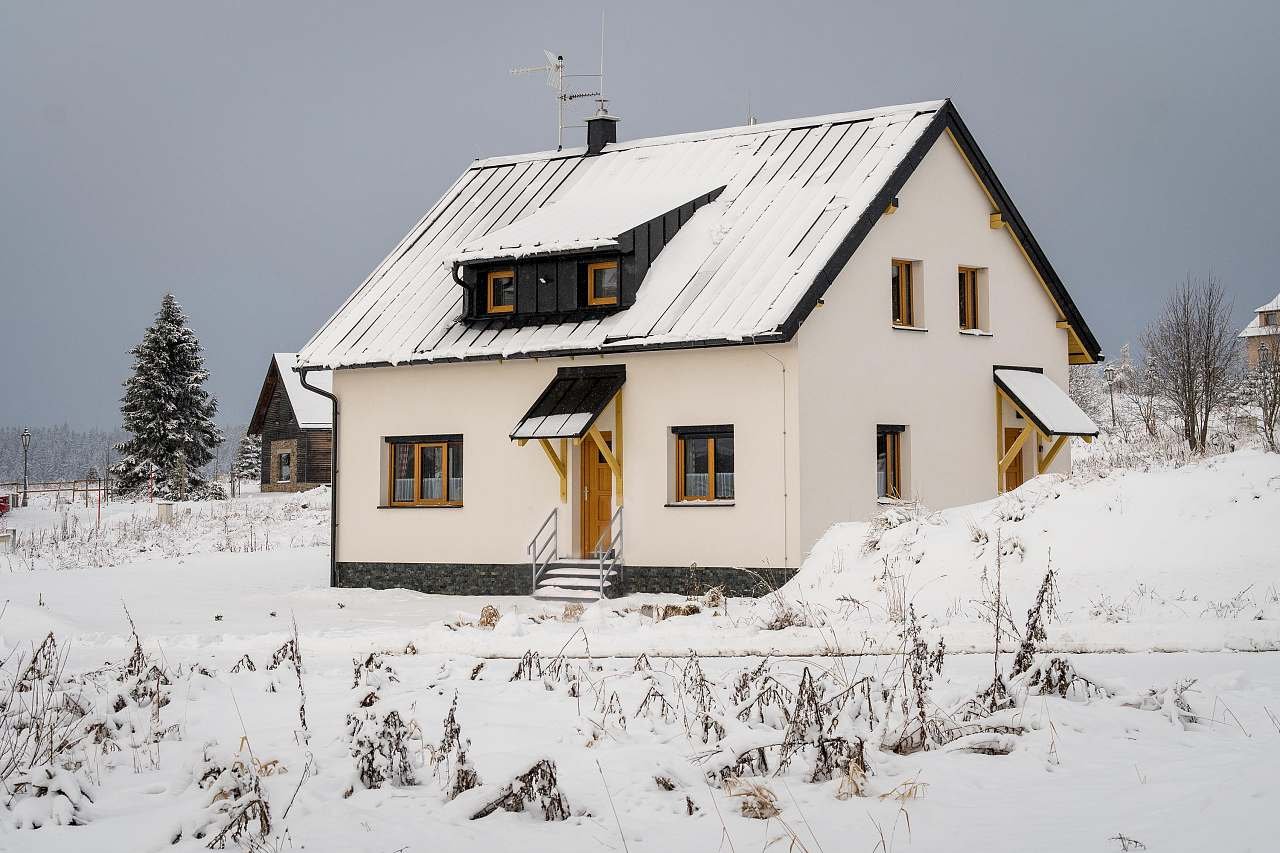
(4, 504)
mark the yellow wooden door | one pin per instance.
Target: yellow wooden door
(597, 496)
(1012, 474)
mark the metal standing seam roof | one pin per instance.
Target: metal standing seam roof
(571, 403)
(741, 269)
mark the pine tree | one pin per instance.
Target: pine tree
(169, 413)
(248, 464)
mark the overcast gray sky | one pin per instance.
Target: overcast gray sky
(258, 159)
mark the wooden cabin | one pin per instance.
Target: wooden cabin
(296, 426)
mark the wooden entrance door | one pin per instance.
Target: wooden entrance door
(1012, 474)
(597, 494)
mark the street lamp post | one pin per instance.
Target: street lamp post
(1109, 373)
(26, 443)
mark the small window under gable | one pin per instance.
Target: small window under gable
(904, 293)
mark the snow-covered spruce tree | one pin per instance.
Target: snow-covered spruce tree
(248, 464)
(168, 412)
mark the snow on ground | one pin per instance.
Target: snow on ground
(1184, 558)
(1148, 561)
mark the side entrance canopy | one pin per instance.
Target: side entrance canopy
(1047, 411)
(568, 409)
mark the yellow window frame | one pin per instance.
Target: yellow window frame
(592, 268)
(893, 465)
(417, 499)
(493, 307)
(906, 313)
(681, 497)
(968, 295)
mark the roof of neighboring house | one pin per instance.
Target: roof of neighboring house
(1256, 329)
(799, 198)
(311, 410)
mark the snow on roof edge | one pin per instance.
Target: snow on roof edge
(699, 135)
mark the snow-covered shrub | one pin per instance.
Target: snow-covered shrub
(453, 770)
(236, 809)
(537, 787)
(50, 796)
(379, 738)
(489, 616)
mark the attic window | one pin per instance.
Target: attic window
(502, 292)
(602, 283)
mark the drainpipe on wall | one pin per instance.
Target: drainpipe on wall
(785, 497)
(333, 475)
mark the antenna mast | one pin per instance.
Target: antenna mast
(556, 74)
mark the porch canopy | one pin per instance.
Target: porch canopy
(568, 408)
(1047, 411)
(571, 403)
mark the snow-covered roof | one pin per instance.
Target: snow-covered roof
(1042, 400)
(589, 216)
(799, 196)
(311, 410)
(1273, 305)
(1257, 329)
(571, 403)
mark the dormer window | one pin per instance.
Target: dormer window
(502, 292)
(602, 283)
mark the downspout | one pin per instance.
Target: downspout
(333, 475)
(785, 496)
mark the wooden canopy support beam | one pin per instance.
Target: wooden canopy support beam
(560, 463)
(1047, 458)
(1015, 448)
(614, 465)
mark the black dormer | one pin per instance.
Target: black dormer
(568, 286)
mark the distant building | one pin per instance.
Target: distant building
(1262, 336)
(807, 319)
(296, 426)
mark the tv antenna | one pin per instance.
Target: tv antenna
(557, 75)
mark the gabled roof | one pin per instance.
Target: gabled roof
(311, 410)
(1273, 305)
(799, 198)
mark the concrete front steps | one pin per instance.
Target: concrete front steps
(573, 580)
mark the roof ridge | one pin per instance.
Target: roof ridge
(715, 133)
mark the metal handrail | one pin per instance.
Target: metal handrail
(538, 550)
(610, 559)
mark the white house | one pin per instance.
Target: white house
(647, 364)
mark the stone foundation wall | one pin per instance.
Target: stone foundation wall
(516, 578)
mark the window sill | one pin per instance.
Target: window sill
(419, 506)
(682, 504)
(977, 333)
(910, 328)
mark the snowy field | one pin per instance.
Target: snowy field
(713, 740)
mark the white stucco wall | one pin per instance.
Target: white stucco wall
(857, 371)
(847, 371)
(510, 489)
